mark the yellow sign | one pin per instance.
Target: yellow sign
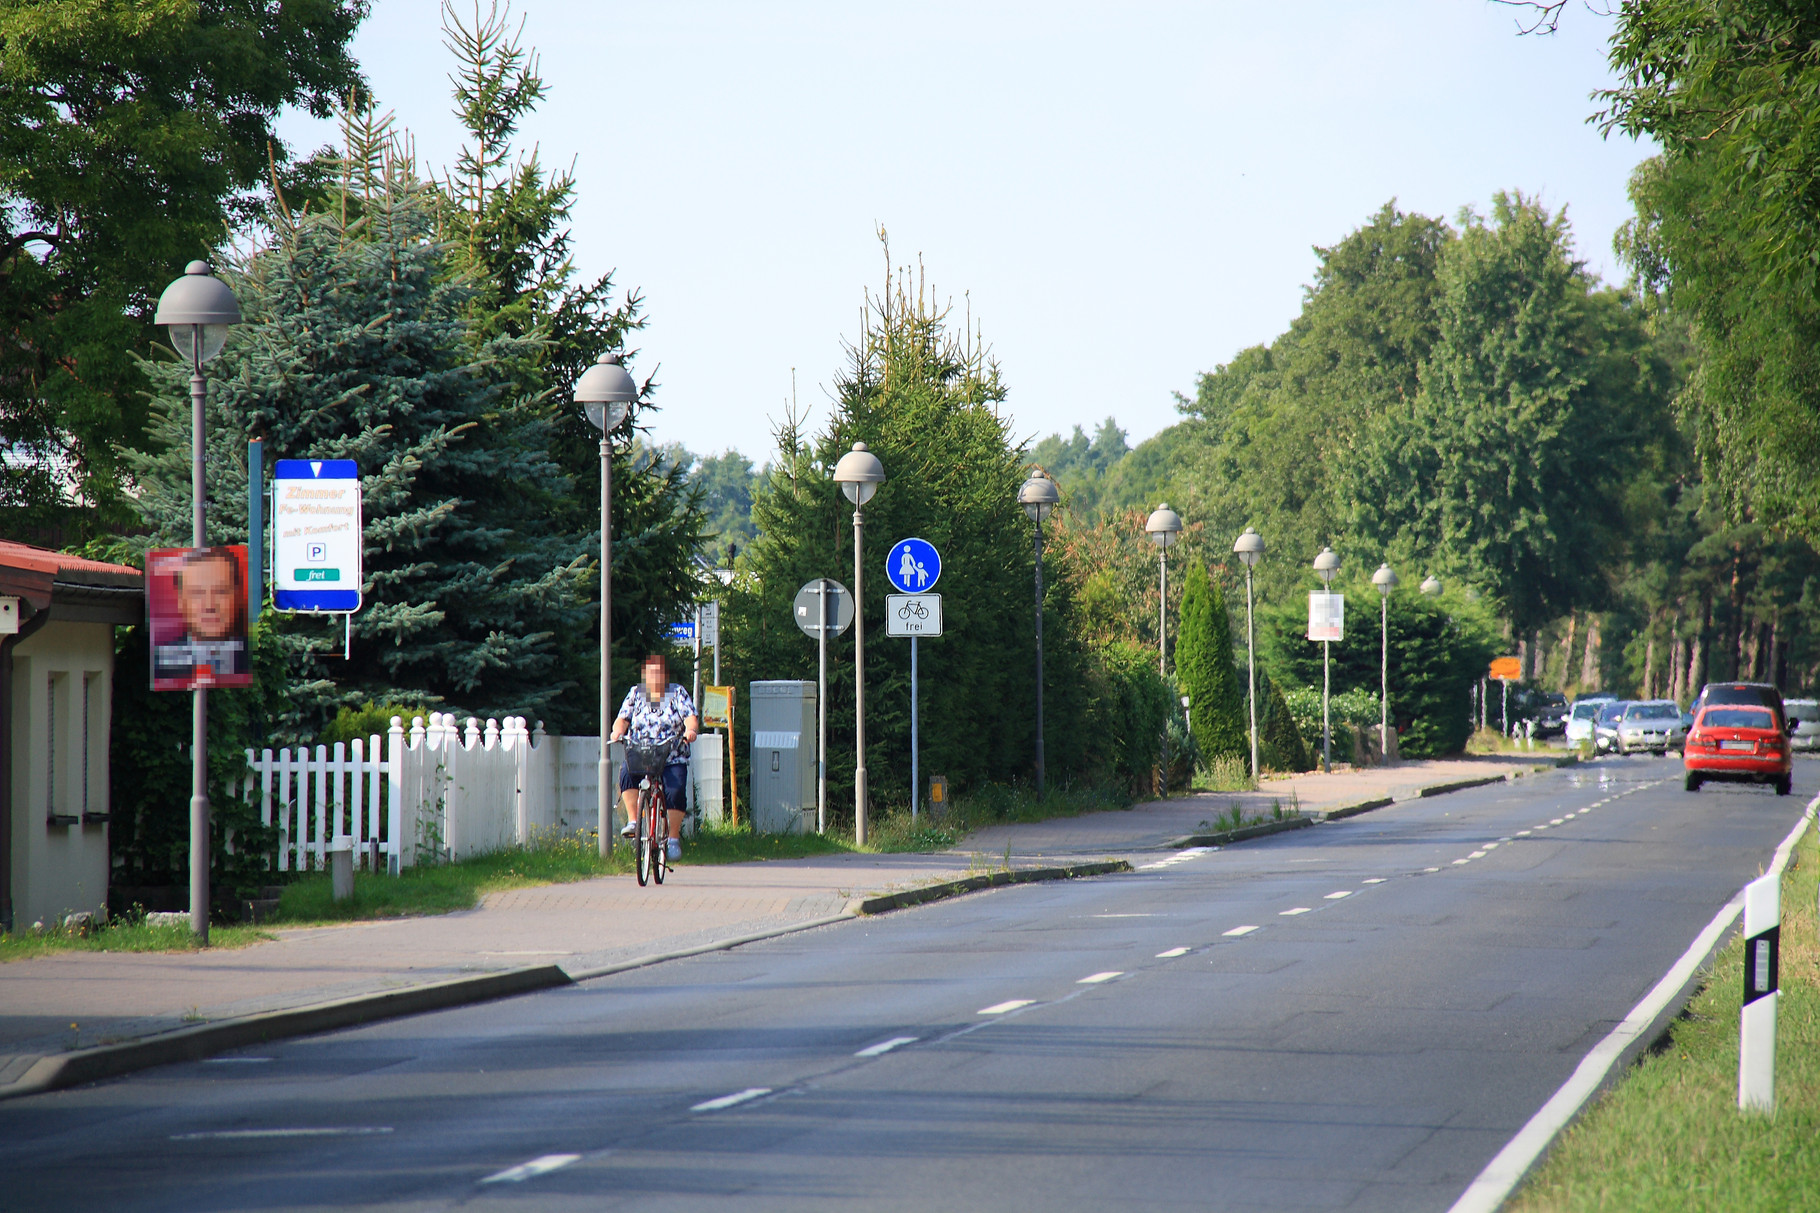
(1507, 669)
(717, 707)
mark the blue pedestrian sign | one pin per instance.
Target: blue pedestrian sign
(914, 566)
(683, 632)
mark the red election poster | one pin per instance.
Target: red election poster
(195, 602)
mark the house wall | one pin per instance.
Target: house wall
(61, 713)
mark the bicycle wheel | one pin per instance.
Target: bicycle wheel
(644, 837)
(660, 845)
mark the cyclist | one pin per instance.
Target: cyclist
(655, 711)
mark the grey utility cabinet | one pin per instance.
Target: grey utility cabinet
(783, 757)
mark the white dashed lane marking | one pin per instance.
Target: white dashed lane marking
(1294, 912)
(1239, 931)
(1374, 880)
(1000, 1008)
(1171, 953)
(1336, 896)
(728, 1101)
(1094, 979)
(885, 1046)
(527, 1170)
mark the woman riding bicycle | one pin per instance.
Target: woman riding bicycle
(654, 712)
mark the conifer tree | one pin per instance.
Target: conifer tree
(1203, 663)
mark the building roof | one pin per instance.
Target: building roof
(81, 589)
(62, 566)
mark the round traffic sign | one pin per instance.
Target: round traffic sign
(823, 600)
(914, 566)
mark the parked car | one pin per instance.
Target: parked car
(1738, 742)
(1579, 723)
(1605, 725)
(1805, 715)
(1654, 726)
(1549, 710)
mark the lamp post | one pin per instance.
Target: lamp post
(1249, 548)
(1162, 526)
(859, 473)
(1431, 585)
(196, 310)
(605, 392)
(1385, 580)
(1039, 496)
(1325, 566)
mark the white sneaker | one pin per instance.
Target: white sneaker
(674, 851)
(630, 830)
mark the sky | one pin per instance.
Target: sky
(1121, 195)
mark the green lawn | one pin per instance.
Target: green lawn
(123, 935)
(1670, 1136)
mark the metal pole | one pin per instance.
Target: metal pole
(859, 686)
(604, 768)
(716, 642)
(1162, 612)
(1384, 681)
(821, 711)
(1326, 694)
(1039, 662)
(255, 528)
(199, 715)
(914, 771)
(1251, 673)
(697, 698)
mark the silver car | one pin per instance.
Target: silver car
(1807, 733)
(1654, 725)
(1580, 718)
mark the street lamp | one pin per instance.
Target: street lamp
(1431, 585)
(606, 392)
(1039, 496)
(1325, 566)
(1386, 581)
(1163, 525)
(859, 473)
(1249, 548)
(196, 310)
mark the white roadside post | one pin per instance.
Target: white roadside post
(1757, 1019)
(606, 392)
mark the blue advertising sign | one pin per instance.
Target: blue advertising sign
(914, 566)
(316, 535)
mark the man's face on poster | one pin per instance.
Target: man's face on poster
(205, 596)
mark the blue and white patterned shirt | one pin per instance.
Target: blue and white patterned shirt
(653, 723)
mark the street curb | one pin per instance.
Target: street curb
(1353, 810)
(954, 888)
(1226, 837)
(192, 1044)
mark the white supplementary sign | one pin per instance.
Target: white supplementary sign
(913, 614)
(710, 624)
(1326, 616)
(316, 535)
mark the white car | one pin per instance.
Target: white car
(1580, 718)
(1807, 733)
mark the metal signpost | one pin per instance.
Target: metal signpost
(316, 539)
(913, 567)
(822, 607)
(1506, 670)
(1326, 623)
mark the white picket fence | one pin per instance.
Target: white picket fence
(439, 792)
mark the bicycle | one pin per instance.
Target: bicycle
(652, 840)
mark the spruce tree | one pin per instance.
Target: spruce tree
(1203, 663)
(357, 345)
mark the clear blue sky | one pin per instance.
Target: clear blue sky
(1129, 193)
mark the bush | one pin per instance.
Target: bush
(1129, 713)
(1203, 663)
(1357, 706)
(1280, 743)
(371, 719)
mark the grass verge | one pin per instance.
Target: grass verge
(893, 832)
(122, 935)
(1670, 1136)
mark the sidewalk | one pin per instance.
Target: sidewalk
(85, 1001)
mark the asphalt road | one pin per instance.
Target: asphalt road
(1356, 1016)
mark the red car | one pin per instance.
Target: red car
(1742, 743)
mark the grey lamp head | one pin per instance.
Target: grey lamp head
(1327, 564)
(1163, 525)
(859, 473)
(1431, 585)
(1385, 579)
(606, 392)
(1039, 496)
(1250, 547)
(197, 310)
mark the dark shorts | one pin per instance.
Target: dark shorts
(676, 774)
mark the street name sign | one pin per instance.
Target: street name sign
(913, 615)
(316, 535)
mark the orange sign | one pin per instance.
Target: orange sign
(1507, 669)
